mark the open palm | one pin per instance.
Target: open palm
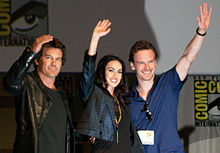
(205, 17)
(102, 28)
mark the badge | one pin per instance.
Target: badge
(146, 136)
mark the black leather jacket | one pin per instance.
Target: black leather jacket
(32, 104)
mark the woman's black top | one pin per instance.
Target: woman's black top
(123, 145)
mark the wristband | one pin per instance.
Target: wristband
(197, 31)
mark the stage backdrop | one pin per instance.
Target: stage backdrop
(169, 24)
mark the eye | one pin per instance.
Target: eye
(110, 70)
(29, 18)
(140, 62)
(48, 57)
(120, 71)
(214, 109)
(151, 61)
(25, 24)
(59, 59)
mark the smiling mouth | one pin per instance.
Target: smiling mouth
(53, 69)
(114, 80)
(147, 72)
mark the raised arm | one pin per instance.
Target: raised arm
(88, 75)
(13, 82)
(101, 29)
(38, 42)
(195, 44)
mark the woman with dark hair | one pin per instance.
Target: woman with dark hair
(106, 117)
(120, 89)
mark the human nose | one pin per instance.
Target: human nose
(146, 66)
(116, 74)
(53, 61)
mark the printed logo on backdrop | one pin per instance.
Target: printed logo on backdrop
(21, 21)
(207, 103)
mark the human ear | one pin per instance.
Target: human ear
(132, 66)
(36, 62)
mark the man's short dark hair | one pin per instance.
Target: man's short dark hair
(55, 43)
(141, 45)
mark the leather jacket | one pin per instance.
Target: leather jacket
(32, 104)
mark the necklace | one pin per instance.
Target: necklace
(117, 121)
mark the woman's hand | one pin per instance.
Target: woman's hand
(101, 29)
(92, 140)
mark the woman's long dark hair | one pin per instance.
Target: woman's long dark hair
(121, 90)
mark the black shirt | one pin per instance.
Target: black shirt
(124, 144)
(52, 133)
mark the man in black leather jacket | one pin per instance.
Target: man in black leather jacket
(42, 115)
